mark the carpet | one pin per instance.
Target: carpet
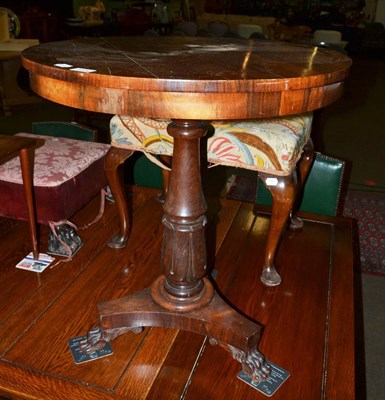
(367, 211)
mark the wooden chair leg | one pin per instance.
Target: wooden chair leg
(303, 166)
(165, 179)
(27, 174)
(283, 190)
(113, 167)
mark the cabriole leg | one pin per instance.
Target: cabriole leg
(113, 166)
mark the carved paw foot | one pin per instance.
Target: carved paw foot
(255, 366)
(253, 362)
(97, 337)
(94, 341)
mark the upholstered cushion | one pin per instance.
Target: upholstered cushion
(271, 145)
(67, 174)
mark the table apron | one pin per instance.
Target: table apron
(185, 105)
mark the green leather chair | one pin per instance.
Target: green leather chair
(144, 172)
(71, 130)
(322, 189)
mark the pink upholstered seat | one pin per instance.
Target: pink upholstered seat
(68, 173)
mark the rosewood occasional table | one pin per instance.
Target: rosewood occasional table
(10, 147)
(190, 80)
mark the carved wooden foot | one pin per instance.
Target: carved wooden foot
(113, 167)
(253, 362)
(217, 320)
(97, 338)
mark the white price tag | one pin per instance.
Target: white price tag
(271, 181)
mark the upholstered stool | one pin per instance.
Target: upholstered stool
(272, 147)
(68, 173)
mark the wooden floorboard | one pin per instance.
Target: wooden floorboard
(308, 319)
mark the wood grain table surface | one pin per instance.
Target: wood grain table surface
(167, 76)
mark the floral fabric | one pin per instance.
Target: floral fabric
(271, 145)
(56, 161)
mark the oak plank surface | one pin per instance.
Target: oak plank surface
(18, 286)
(146, 364)
(340, 380)
(299, 306)
(170, 364)
(28, 295)
(114, 271)
(36, 292)
(23, 383)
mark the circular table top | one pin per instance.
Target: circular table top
(186, 77)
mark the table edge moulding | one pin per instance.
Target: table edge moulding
(191, 80)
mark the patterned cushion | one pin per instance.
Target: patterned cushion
(57, 161)
(67, 174)
(271, 145)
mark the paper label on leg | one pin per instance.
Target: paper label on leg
(271, 181)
